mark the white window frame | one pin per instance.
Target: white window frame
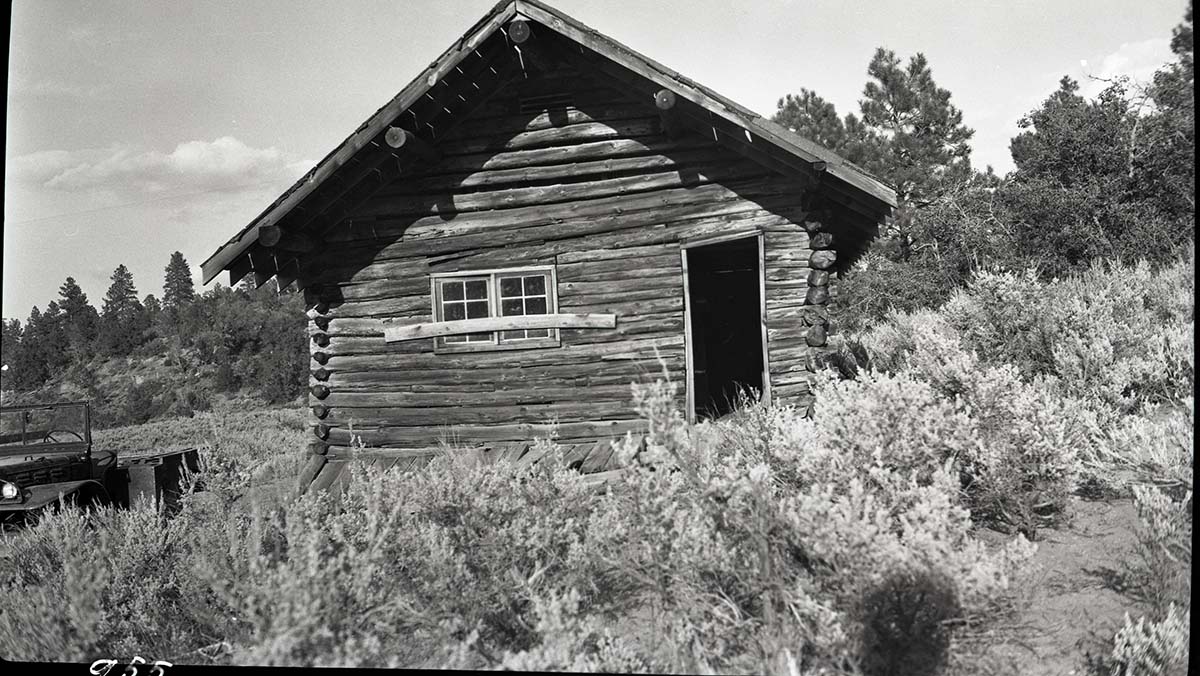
(493, 277)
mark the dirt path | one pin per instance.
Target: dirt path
(1078, 602)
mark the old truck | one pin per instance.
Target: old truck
(46, 454)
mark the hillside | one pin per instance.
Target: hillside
(165, 362)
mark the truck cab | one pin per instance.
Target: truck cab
(46, 454)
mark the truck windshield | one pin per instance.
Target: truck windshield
(31, 429)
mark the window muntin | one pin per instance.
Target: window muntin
(465, 298)
(495, 293)
(525, 294)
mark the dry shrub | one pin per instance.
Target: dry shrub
(1164, 546)
(1153, 648)
(81, 585)
(367, 579)
(1078, 381)
(745, 548)
(907, 624)
(1120, 334)
(1156, 447)
(1158, 643)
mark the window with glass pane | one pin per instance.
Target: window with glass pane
(465, 299)
(514, 292)
(524, 295)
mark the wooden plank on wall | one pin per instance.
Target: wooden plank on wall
(489, 324)
(399, 437)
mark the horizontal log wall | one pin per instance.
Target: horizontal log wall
(595, 189)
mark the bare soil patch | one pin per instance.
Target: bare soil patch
(1081, 591)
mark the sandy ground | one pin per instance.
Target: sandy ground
(1079, 600)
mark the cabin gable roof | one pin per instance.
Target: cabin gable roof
(406, 131)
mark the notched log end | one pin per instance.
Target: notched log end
(821, 240)
(519, 31)
(816, 295)
(815, 336)
(822, 259)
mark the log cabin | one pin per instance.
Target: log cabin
(540, 218)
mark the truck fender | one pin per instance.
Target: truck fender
(85, 493)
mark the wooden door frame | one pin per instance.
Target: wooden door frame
(686, 244)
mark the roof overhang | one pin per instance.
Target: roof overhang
(868, 199)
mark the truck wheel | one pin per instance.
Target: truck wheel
(91, 497)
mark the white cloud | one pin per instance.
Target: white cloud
(40, 166)
(225, 164)
(1136, 60)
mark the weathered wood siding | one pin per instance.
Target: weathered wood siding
(597, 190)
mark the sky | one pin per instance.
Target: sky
(135, 129)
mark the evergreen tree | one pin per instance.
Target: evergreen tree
(1069, 139)
(10, 346)
(52, 339)
(80, 320)
(122, 319)
(1171, 131)
(178, 289)
(812, 117)
(909, 135)
(922, 142)
(27, 368)
(1182, 44)
(152, 307)
(10, 338)
(1111, 177)
(153, 318)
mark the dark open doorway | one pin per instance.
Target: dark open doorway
(725, 320)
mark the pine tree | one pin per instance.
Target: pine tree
(1182, 44)
(153, 315)
(27, 367)
(152, 306)
(10, 337)
(10, 346)
(80, 320)
(909, 135)
(1169, 134)
(812, 117)
(52, 339)
(922, 142)
(178, 289)
(122, 319)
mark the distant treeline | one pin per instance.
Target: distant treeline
(137, 359)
